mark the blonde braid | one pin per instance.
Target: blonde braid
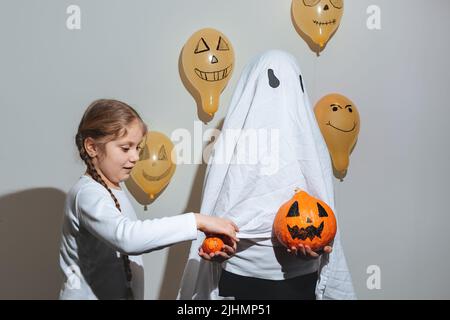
(94, 174)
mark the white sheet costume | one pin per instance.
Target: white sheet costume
(249, 178)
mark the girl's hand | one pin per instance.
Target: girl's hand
(228, 250)
(217, 225)
(307, 252)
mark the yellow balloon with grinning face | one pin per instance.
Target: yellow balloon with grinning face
(339, 123)
(156, 166)
(208, 61)
(318, 19)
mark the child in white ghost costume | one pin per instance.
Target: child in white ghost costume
(271, 100)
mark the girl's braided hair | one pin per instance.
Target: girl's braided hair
(103, 121)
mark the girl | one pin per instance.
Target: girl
(102, 239)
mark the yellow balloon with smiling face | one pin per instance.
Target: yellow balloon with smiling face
(318, 19)
(339, 122)
(156, 164)
(208, 60)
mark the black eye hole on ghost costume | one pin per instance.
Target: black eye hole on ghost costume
(273, 80)
(301, 83)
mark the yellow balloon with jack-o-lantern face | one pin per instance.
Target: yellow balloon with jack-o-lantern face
(318, 19)
(339, 122)
(208, 61)
(156, 166)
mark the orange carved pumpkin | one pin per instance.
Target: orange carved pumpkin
(212, 245)
(305, 220)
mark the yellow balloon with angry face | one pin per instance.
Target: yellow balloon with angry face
(339, 122)
(156, 164)
(207, 62)
(318, 19)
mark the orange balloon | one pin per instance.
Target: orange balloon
(156, 164)
(339, 122)
(318, 19)
(208, 62)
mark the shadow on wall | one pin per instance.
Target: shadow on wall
(30, 230)
(178, 254)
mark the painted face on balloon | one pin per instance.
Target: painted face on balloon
(339, 122)
(158, 166)
(209, 56)
(155, 168)
(208, 61)
(211, 61)
(325, 11)
(318, 18)
(339, 115)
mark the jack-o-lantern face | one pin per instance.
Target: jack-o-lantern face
(208, 61)
(159, 165)
(155, 167)
(318, 18)
(305, 220)
(339, 122)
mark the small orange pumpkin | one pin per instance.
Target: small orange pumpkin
(212, 245)
(305, 220)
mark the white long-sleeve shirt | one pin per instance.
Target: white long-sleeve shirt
(95, 232)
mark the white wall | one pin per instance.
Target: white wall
(392, 204)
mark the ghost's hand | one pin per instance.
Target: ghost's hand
(306, 251)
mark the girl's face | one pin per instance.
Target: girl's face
(119, 156)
